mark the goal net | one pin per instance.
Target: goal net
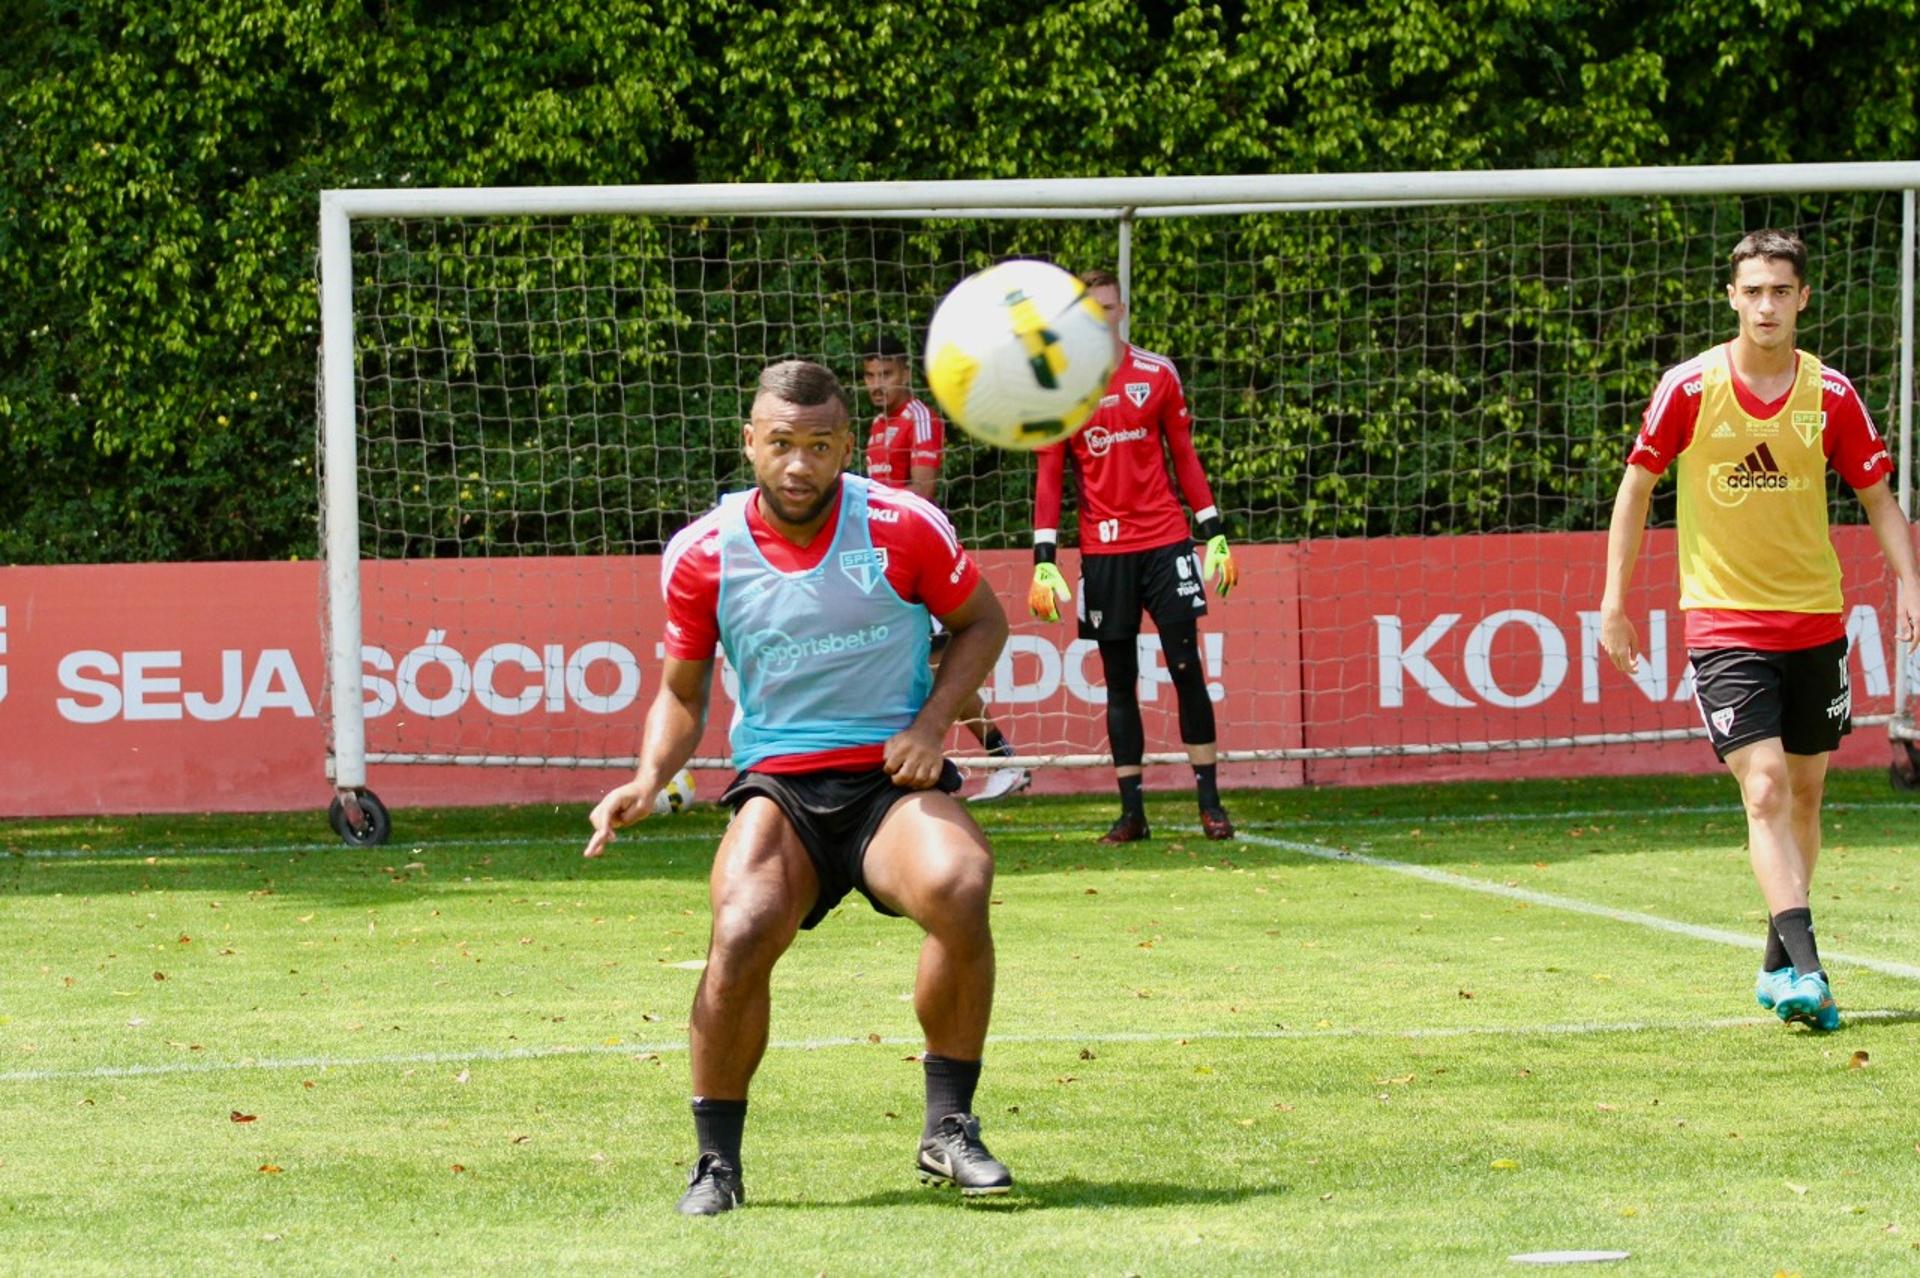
(1412, 394)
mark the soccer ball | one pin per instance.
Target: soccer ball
(1019, 354)
(676, 795)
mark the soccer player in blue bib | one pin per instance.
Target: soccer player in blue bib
(819, 585)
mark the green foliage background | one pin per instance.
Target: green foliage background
(160, 164)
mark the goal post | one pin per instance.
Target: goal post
(1412, 392)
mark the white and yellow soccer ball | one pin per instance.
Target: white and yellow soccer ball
(676, 795)
(1019, 354)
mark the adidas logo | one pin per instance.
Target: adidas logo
(1758, 471)
(1723, 431)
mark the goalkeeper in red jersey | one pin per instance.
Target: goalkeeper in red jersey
(1136, 555)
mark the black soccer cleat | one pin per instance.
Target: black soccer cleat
(954, 1155)
(713, 1188)
(1215, 825)
(1130, 828)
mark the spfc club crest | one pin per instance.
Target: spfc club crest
(864, 567)
(1722, 720)
(1137, 392)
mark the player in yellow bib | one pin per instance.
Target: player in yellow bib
(1754, 425)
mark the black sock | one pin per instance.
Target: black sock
(1796, 934)
(1206, 780)
(950, 1085)
(718, 1126)
(1133, 801)
(1777, 956)
(993, 743)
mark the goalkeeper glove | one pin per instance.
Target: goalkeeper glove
(1218, 567)
(1048, 592)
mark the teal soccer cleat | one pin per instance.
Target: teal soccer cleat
(1809, 1000)
(1769, 987)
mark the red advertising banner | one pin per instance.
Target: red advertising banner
(201, 687)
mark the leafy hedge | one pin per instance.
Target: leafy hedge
(160, 164)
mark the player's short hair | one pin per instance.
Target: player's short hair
(1099, 277)
(884, 346)
(1775, 246)
(803, 382)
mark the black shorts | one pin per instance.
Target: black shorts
(1745, 695)
(836, 815)
(1115, 589)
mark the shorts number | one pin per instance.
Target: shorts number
(1109, 529)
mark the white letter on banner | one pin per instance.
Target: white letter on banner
(1863, 636)
(1073, 667)
(1478, 659)
(504, 654)
(621, 659)
(377, 696)
(139, 683)
(555, 665)
(276, 664)
(434, 650)
(73, 678)
(1652, 674)
(1007, 689)
(1397, 661)
(230, 676)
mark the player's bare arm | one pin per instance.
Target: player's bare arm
(924, 480)
(979, 629)
(1617, 634)
(1895, 536)
(674, 723)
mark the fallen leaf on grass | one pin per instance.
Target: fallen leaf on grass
(1086, 1054)
(518, 1138)
(237, 1117)
(271, 1169)
(159, 976)
(1603, 1107)
(1857, 1061)
(1503, 1164)
(1327, 1197)
(1798, 1189)
(873, 1038)
(462, 1076)
(1401, 1079)
(458, 1168)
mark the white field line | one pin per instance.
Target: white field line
(487, 1055)
(405, 848)
(1447, 878)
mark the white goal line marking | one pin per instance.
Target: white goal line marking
(485, 1055)
(995, 824)
(1447, 878)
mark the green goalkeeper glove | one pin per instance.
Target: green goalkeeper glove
(1048, 592)
(1218, 567)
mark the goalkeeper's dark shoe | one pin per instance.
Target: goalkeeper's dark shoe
(713, 1188)
(1130, 828)
(954, 1155)
(1215, 825)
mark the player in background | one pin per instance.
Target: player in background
(905, 446)
(1136, 555)
(837, 738)
(1754, 425)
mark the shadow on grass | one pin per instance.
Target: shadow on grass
(1037, 1195)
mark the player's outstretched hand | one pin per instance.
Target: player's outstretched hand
(914, 759)
(623, 806)
(1218, 567)
(1048, 592)
(1620, 640)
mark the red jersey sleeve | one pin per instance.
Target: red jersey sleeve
(1667, 427)
(925, 561)
(1853, 446)
(690, 584)
(929, 436)
(1049, 485)
(1177, 424)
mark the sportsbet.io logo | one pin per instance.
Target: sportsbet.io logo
(779, 654)
(1731, 483)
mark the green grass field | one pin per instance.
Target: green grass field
(231, 1045)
